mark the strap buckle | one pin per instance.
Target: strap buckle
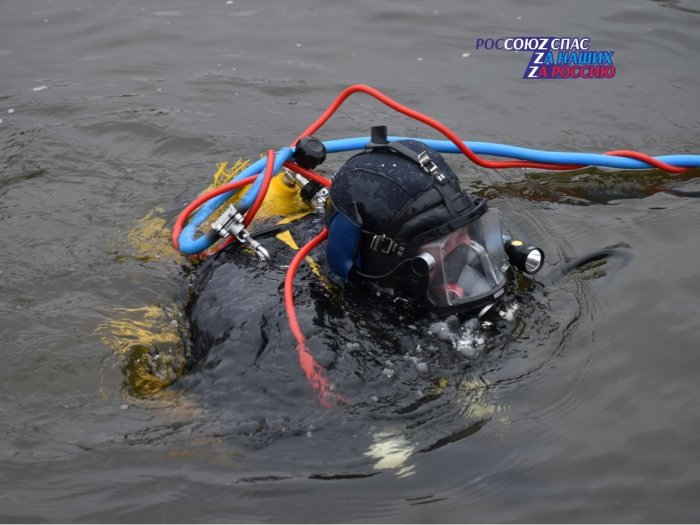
(383, 244)
(430, 167)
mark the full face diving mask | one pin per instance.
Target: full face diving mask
(398, 219)
(466, 265)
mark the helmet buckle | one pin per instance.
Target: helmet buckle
(383, 244)
(430, 167)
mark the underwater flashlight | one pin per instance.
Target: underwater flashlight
(525, 257)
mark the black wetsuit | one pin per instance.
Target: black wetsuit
(371, 346)
(394, 365)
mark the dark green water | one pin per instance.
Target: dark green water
(110, 110)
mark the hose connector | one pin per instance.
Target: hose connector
(230, 223)
(311, 192)
(259, 249)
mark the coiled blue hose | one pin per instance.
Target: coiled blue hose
(189, 245)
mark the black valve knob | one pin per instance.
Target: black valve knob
(309, 152)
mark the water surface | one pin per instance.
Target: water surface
(114, 115)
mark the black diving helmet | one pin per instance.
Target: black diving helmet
(397, 219)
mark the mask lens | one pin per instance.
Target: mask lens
(468, 263)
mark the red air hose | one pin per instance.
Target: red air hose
(269, 168)
(311, 175)
(439, 126)
(312, 370)
(648, 159)
(416, 115)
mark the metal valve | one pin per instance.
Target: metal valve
(311, 192)
(230, 223)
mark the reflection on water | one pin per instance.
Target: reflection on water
(150, 343)
(392, 451)
(590, 187)
(679, 5)
(392, 448)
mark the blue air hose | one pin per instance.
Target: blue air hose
(190, 245)
(515, 152)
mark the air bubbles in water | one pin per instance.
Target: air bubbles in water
(508, 311)
(467, 339)
(421, 366)
(441, 330)
(471, 341)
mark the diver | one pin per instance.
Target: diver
(404, 241)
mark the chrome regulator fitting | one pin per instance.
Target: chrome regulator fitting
(230, 223)
(312, 193)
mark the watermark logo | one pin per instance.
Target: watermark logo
(556, 57)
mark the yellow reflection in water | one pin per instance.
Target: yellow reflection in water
(149, 239)
(474, 395)
(392, 449)
(149, 345)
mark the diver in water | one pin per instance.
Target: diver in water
(404, 242)
(400, 231)
(408, 316)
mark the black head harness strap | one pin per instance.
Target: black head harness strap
(433, 213)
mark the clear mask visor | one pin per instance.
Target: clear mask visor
(468, 262)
